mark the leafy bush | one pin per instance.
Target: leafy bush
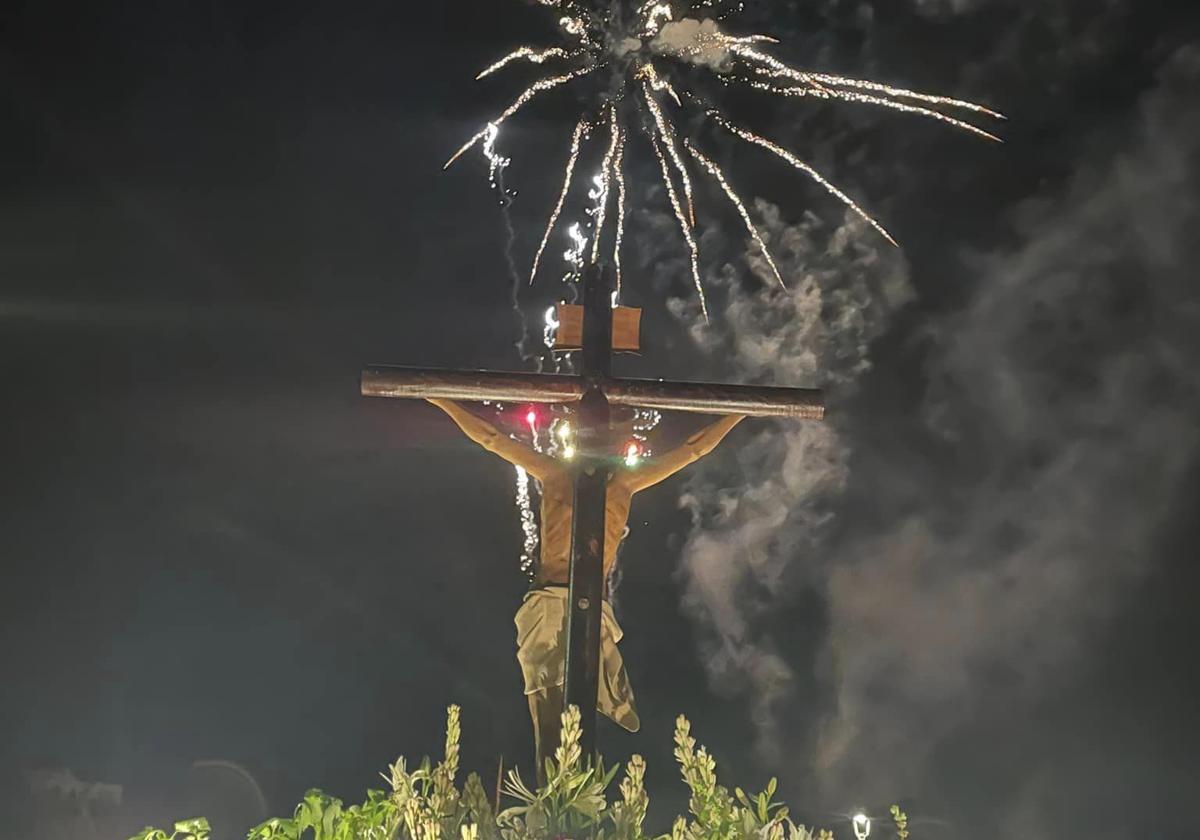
(425, 804)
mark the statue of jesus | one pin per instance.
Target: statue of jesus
(541, 621)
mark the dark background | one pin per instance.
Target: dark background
(212, 214)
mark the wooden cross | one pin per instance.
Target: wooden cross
(595, 390)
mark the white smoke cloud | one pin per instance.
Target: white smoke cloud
(1066, 390)
(845, 286)
(697, 41)
(1071, 384)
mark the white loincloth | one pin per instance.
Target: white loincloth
(541, 650)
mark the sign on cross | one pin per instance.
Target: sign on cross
(595, 390)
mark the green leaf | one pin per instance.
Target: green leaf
(197, 827)
(741, 796)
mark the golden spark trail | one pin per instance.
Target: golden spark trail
(901, 93)
(668, 139)
(529, 54)
(521, 101)
(731, 40)
(654, 15)
(619, 174)
(751, 137)
(606, 179)
(868, 99)
(576, 141)
(719, 176)
(772, 64)
(658, 82)
(683, 225)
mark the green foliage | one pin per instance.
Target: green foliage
(425, 804)
(901, 820)
(187, 830)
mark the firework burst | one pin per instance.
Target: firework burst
(640, 53)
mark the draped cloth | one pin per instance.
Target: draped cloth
(541, 650)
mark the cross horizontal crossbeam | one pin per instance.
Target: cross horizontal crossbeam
(497, 386)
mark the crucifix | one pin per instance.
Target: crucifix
(595, 391)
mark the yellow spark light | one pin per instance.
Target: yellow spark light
(530, 54)
(521, 101)
(576, 141)
(614, 129)
(902, 93)
(716, 173)
(772, 65)
(683, 224)
(868, 99)
(667, 135)
(658, 82)
(655, 15)
(529, 526)
(619, 174)
(751, 137)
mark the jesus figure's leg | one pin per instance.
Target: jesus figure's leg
(545, 708)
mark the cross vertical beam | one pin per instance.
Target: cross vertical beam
(586, 592)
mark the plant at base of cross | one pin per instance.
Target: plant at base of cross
(425, 804)
(570, 804)
(901, 820)
(186, 830)
(716, 815)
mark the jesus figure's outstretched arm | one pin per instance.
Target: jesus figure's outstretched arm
(692, 450)
(492, 439)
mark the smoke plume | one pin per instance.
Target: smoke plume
(693, 40)
(1059, 413)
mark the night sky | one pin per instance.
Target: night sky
(973, 591)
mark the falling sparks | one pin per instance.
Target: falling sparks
(524, 54)
(853, 96)
(521, 101)
(667, 137)
(579, 243)
(901, 93)
(529, 525)
(550, 332)
(605, 179)
(719, 176)
(497, 162)
(637, 59)
(688, 236)
(658, 83)
(576, 142)
(751, 137)
(654, 16)
(619, 175)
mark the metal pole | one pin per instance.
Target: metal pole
(586, 593)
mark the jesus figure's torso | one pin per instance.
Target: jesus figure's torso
(558, 506)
